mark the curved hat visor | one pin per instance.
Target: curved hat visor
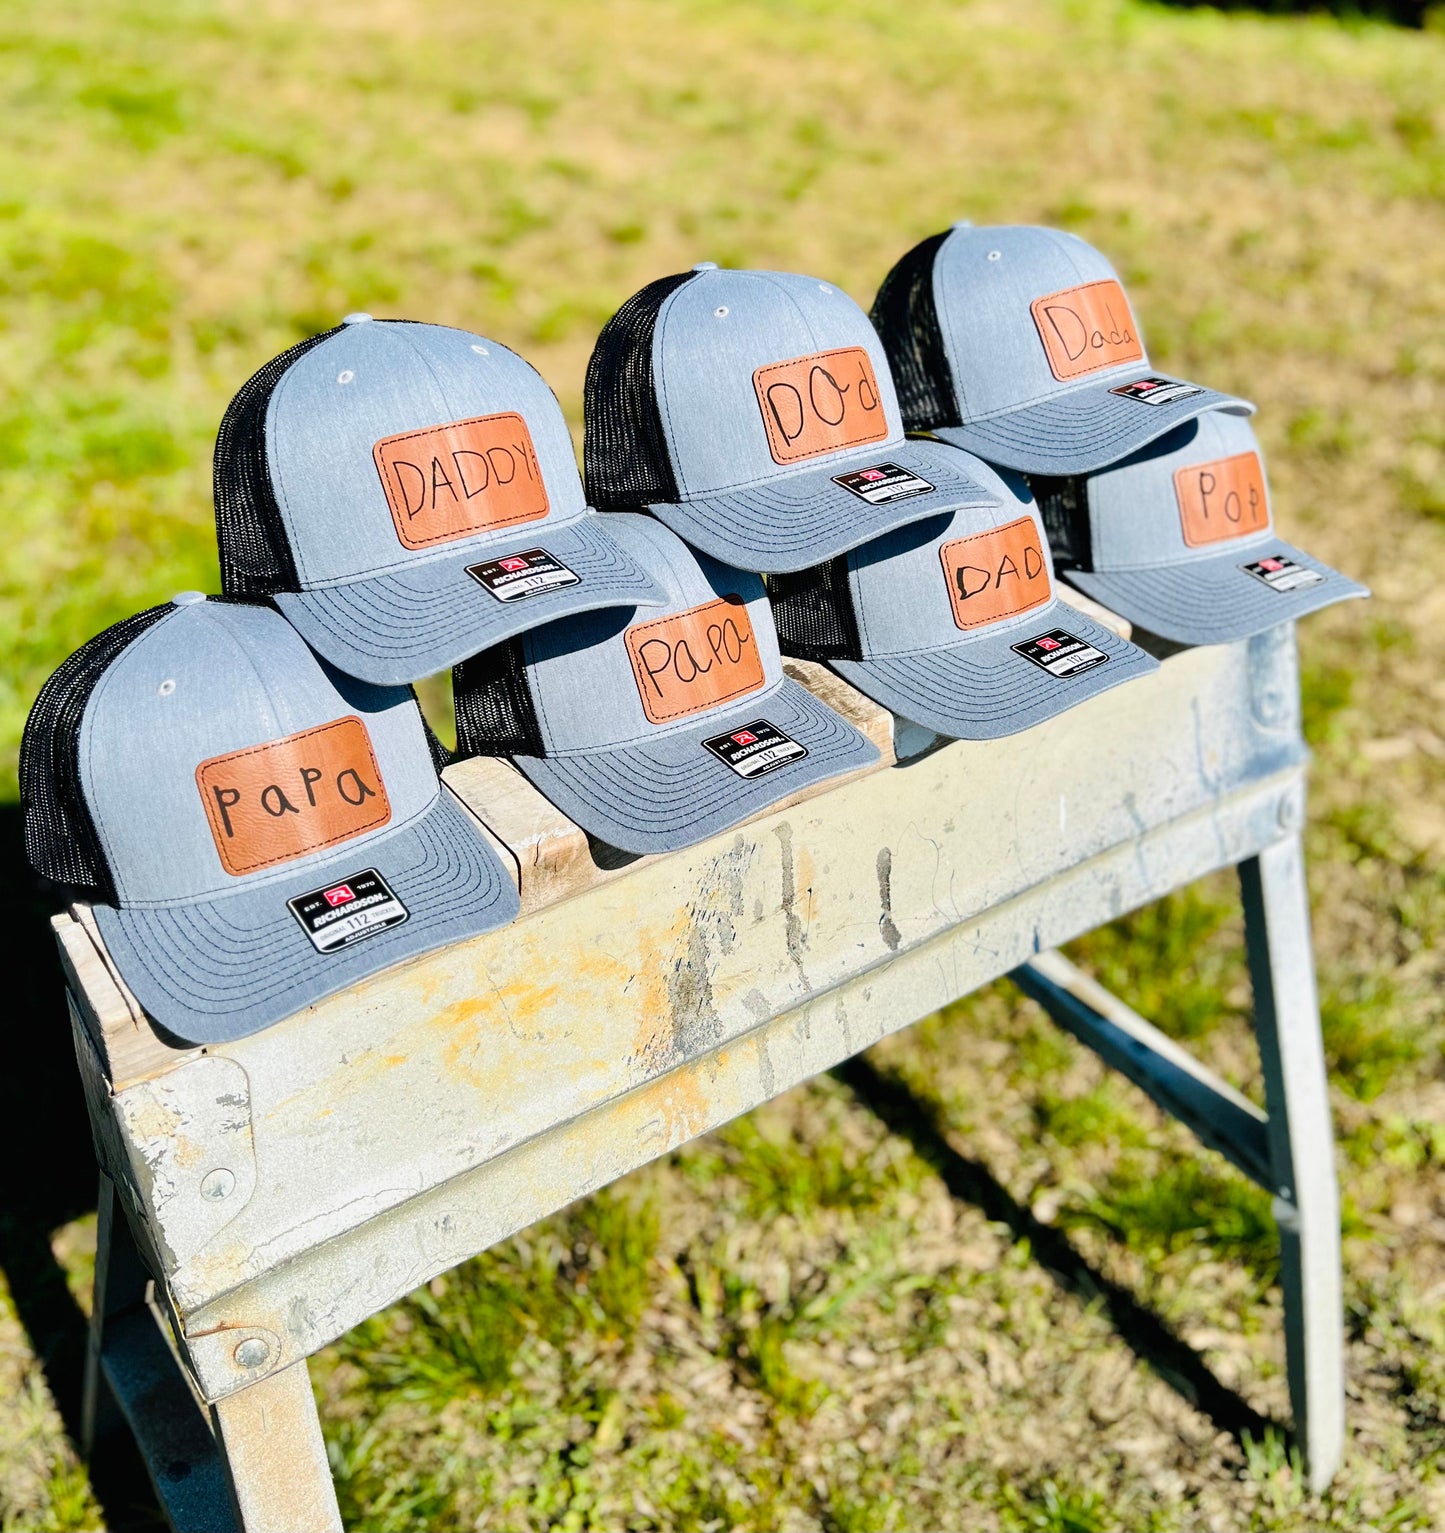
(421, 618)
(221, 968)
(1216, 600)
(669, 792)
(795, 521)
(1087, 428)
(982, 688)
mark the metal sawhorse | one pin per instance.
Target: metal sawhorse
(260, 1198)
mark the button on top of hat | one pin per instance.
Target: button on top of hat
(187, 598)
(359, 318)
(705, 266)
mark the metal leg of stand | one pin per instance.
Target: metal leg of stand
(1301, 1142)
(276, 1465)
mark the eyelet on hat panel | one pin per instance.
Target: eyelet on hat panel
(319, 440)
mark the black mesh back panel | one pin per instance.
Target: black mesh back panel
(813, 610)
(624, 453)
(60, 836)
(493, 702)
(255, 556)
(1064, 506)
(906, 319)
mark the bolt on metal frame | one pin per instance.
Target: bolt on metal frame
(260, 1198)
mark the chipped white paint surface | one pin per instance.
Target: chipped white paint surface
(402, 1126)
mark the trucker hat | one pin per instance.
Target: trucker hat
(954, 623)
(1180, 538)
(655, 730)
(409, 495)
(1019, 345)
(256, 830)
(753, 413)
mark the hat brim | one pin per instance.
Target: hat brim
(981, 688)
(1214, 600)
(798, 520)
(422, 618)
(662, 794)
(1084, 429)
(218, 969)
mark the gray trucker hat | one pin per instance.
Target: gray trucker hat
(257, 830)
(753, 413)
(409, 495)
(1019, 345)
(657, 729)
(1180, 539)
(954, 623)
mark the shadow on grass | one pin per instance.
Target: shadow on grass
(1151, 1341)
(47, 1170)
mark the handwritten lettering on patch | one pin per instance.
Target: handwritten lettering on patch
(465, 477)
(820, 403)
(273, 802)
(694, 659)
(996, 574)
(1087, 328)
(1223, 499)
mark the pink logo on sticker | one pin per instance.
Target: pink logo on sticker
(342, 894)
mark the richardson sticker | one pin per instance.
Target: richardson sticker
(1156, 391)
(1281, 574)
(996, 574)
(521, 575)
(1086, 328)
(342, 913)
(820, 403)
(756, 748)
(694, 659)
(292, 796)
(468, 476)
(1060, 653)
(1223, 499)
(882, 483)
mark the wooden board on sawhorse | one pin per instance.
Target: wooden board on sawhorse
(262, 1197)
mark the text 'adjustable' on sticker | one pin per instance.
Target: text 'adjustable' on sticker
(1282, 575)
(1060, 653)
(756, 748)
(348, 911)
(522, 575)
(882, 483)
(1156, 391)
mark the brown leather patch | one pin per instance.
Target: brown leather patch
(996, 574)
(820, 403)
(1223, 499)
(468, 476)
(694, 659)
(270, 803)
(1087, 328)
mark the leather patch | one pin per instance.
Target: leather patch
(996, 574)
(270, 803)
(1087, 328)
(1223, 499)
(819, 404)
(466, 477)
(694, 659)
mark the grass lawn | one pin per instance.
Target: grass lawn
(795, 1323)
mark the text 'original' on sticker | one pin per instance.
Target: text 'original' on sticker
(347, 910)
